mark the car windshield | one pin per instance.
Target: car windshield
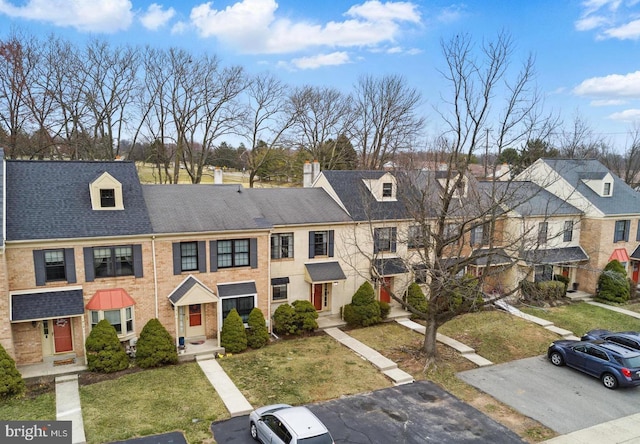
(325, 438)
(633, 362)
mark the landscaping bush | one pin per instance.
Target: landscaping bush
(613, 285)
(385, 309)
(11, 382)
(546, 291)
(233, 336)
(563, 279)
(257, 334)
(364, 310)
(416, 299)
(155, 347)
(306, 316)
(105, 354)
(284, 320)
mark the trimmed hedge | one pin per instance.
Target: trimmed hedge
(105, 354)
(257, 334)
(284, 320)
(296, 318)
(543, 291)
(155, 347)
(233, 336)
(416, 299)
(364, 309)
(613, 284)
(11, 383)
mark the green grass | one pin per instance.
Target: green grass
(582, 317)
(167, 399)
(39, 408)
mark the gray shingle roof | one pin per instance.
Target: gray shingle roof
(390, 266)
(45, 305)
(325, 271)
(529, 199)
(239, 289)
(624, 199)
(50, 199)
(555, 255)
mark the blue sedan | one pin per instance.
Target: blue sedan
(615, 365)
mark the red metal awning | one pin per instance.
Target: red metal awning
(111, 299)
(620, 254)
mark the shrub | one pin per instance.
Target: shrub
(364, 310)
(543, 291)
(613, 285)
(563, 279)
(155, 347)
(416, 299)
(284, 320)
(306, 316)
(233, 337)
(385, 309)
(11, 382)
(105, 354)
(257, 334)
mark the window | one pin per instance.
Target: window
(384, 239)
(113, 261)
(415, 239)
(568, 231)
(54, 265)
(320, 242)
(542, 232)
(543, 273)
(387, 189)
(243, 305)
(189, 256)
(607, 189)
(121, 319)
(279, 292)
(450, 230)
(233, 253)
(282, 246)
(107, 198)
(621, 232)
(480, 235)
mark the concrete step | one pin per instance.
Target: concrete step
(398, 376)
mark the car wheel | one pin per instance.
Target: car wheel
(609, 381)
(254, 431)
(556, 359)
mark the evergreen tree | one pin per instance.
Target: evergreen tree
(155, 347)
(105, 354)
(233, 336)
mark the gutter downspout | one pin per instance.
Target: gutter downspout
(155, 274)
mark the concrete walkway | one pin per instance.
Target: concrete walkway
(466, 351)
(633, 314)
(68, 406)
(565, 334)
(233, 399)
(621, 430)
(384, 364)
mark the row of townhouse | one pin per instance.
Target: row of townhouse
(85, 241)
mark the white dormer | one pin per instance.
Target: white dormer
(600, 183)
(461, 187)
(106, 193)
(383, 189)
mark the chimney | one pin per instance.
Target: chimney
(316, 170)
(217, 176)
(307, 175)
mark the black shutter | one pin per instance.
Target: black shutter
(70, 265)
(376, 240)
(394, 233)
(213, 255)
(38, 265)
(330, 246)
(627, 228)
(202, 256)
(177, 262)
(137, 261)
(473, 236)
(312, 253)
(253, 252)
(89, 270)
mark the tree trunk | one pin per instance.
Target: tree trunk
(429, 344)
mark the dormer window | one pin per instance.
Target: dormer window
(607, 189)
(106, 193)
(387, 189)
(600, 182)
(383, 188)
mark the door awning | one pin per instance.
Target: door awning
(46, 305)
(237, 289)
(620, 254)
(110, 299)
(191, 291)
(391, 266)
(324, 272)
(556, 256)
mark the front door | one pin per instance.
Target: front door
(636, 269)
(195, 320)
(317, 296)
(62, 335)
(384, 293)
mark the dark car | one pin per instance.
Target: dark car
(615, 365)
(627, 338)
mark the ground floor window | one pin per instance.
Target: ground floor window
(279, 292)
(121, 319)
(243, 304)
(544, 273)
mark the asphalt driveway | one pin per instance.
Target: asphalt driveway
(561, 398)
(415, 413)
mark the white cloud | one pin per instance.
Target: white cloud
(179, 28)
(611, 86)
(610, 102)
(451, 14)
(253, 27)
(627, 116)
(629, 30)
(85, 15)
(610, 19)
(156, 16)
(317, 61)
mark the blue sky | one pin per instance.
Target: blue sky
(587, 53)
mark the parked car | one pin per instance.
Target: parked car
(615, 365)
(628, 338)
(281, 423)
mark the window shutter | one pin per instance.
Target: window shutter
(137, 261)
(473, 236)
(627, 228)
(330, 246)
(70, 265)
(253, 252)
(638, 232)
(202, 256)
(376, 240)
(312, 253)
(394, 233)
(38, 265)
(177, 263)
(89, 270)
(213, 255)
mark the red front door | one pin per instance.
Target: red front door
(636, 268)
(317, 296)
(384, 293)
(195, 315)
(62, 335)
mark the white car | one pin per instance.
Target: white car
(281, 423)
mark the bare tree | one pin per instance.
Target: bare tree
(627, 164)
(579, 141)
(386, 119)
